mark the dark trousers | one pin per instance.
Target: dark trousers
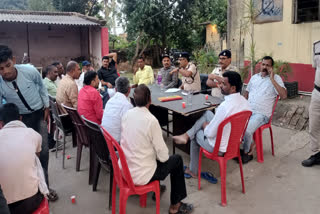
(28, 205)
(174, 167)
(105, 96)
(36, 122)
(3, 204)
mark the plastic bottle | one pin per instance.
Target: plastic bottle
(159, 78)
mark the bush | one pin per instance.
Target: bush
(205, 60)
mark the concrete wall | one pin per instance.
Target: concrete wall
(47, 43)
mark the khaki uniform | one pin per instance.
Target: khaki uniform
(216, 92)
(192, 83)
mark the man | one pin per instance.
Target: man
(86, 66)
(146, 152)
(116, 107)
(314, 114)
(204, 131)
(67, 91)
(216, 76)
(168, 80)
(18, 149)
(190, 75)
(23, 86)
(89, 99)
(60, 68)
(261, 92)
(51, 73)
(144, 74)
(108, 75)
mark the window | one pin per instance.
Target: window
(306, 11)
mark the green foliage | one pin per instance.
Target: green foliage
(13, 4)
(205, 60)
(40, 5)
(86, 7)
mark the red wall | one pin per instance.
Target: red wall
(304, 74)
(104, 41)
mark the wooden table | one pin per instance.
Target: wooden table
(182, 118)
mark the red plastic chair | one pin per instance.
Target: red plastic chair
(257, 136)
(239, 122)
(122, 178)
(43, 208)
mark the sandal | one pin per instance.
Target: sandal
(186, 175)
(52, 196)
(184, 209)
(209, 177)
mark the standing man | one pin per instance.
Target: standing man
(22, 85)
(67, 92)
(261, 92)
(147, 153)
(144, 74)
(190, 75)
(314, 112)
(168, 80)
(89, 99)
(216, 76)
(204, 131)
(51, 73)
(60, 71)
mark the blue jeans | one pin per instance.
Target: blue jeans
(256, 120)
(198, 139)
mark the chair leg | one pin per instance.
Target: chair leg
(96, 176)
(114, 195)
(79, 152)
(57, 140)
(110, 187)
(241, 174)
(199, 169)
(64, 150)
(74, 137)
(158, 198)
(271, 136)
(124, 194)
(257, 136)
(143, 200)
(223, 174)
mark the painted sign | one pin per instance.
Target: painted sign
(268, 10)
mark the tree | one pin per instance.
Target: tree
(86, 7)
(40, 5)
(13, 4)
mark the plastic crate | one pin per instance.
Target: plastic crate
(292, 89)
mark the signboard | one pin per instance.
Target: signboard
(268, 10)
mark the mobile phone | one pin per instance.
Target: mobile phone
(207, 103)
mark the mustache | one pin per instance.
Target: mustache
(265, 70)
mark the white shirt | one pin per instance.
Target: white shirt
(142, 144)
(80, 80)
(232, 104)
(262, 93)
(115, 108)
(18, 171)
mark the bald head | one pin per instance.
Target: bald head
(142, 96)
(73, 69)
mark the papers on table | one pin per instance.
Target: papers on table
(172, 90)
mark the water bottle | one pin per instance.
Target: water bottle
(159, 78)
(189, 98)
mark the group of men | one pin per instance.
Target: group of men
(135, 128)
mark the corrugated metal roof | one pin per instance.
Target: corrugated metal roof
(54, 18)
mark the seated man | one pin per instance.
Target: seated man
(216, 76)
(51, 73)
(89, 99)
(190, 75)
(86, 66)
(147, 153)
(18, 149)
(61, 73)
(116, 107)
(144, 74)
(67, 91)
(261, 93)
(204, 131)
(168, 80)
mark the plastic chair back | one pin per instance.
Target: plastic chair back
(122, 176)
(43, 208)
(273, 109)
(238, 122)
(78, 124)
(97, 140)
(55, 114)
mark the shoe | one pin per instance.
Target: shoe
(312, 160)
(246, 158)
